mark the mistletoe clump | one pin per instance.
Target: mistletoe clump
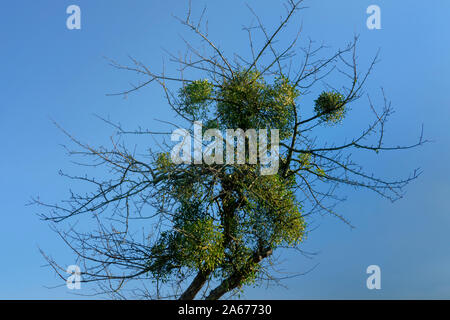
(194, 98)
(247, 101)
(330, 106)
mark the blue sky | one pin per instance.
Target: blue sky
(50, 72)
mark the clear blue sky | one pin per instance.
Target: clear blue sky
(48, 71)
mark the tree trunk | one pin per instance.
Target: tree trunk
(195, 286)
(235, 280)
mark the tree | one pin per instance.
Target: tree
(213, 227)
